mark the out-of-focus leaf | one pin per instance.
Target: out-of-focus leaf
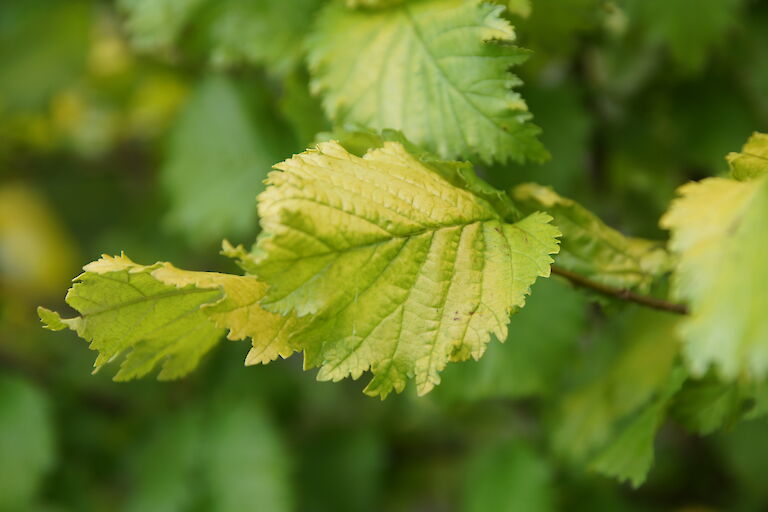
(372, 4)
(508, 476)
(36, 254)
(156, 24)
(165, 465)
(707, 404)
(535, 355)
(720, 234)
(588, 415)
(351, 454)
(430, 272)
(745, 453)
(302, 110)
(216, 163)
(566, 126)
(690, 29)
(43, 47)
(591, 248)
(752, 161)
(629, 456)
(247, 466)
(260, 32)
(436, 70)
(520, 8)
(554, 26)
(226, 456)
(26, 443)
(234, 32)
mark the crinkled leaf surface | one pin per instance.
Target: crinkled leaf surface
(752, 161)
(591, 248)
(163, 316)
(539, 352)
(403, 268)
(438, 70)
(720, 232)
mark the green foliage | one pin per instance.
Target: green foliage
(590, 414)
(157, 24)
(375, 252)
(508, 476)
(26, 442)
(535, 355)
(217, 161)
(381, 69)
(630, 454)
(720, 224)
(233, 32)
(431, 268)
(591, 248)
(688, 28)
(247, 462)
(227, 455)
(752, 161)
(160, 315)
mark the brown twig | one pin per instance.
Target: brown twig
(620, 293)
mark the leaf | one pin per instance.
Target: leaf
(521, 8)
(554, 26)
(302, 110)
(403, 267)
(591, 248)
(26, 442)
(508, 476)
(721, 237)
(535, 358)
(156, 24)
(567, 126)
(588, 415)
(438, 70)
(216, 163)
(37, 252)
(176, 441)
(247, 464)
(629, 456)
(688, 28)
(705, 405)
(266, 33)
(352, 453)
(161, 315)
(752, 161)
(744, 455)
(372, 4)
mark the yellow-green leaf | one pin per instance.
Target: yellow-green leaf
(720, 233)
(159, 315)
(752, 161)
(591, 248)
(402, 268)
(438, 70)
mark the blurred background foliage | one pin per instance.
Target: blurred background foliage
(148, 125)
